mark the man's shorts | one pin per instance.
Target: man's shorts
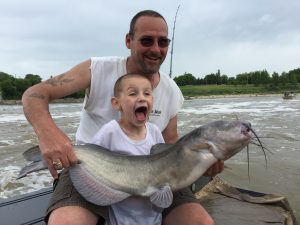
(64, 194)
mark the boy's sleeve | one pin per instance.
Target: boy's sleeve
(97, 139)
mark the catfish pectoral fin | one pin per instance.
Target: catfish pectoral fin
(93, 189)
(162, 198)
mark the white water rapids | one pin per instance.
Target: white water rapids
(275, 120)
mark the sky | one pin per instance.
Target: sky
(48, 38)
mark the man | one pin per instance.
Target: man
(148, 44)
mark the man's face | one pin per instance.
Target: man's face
(148, 44)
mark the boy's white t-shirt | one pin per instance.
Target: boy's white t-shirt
(133, 210)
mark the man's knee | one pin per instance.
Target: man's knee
(74, 215)
(189, 213)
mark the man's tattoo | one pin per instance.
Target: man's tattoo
(59, 80)
(37, 95)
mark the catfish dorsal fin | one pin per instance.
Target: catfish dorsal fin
(158, 148)
(199, 147)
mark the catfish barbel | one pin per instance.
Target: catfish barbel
(104, 177)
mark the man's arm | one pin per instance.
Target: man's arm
(170, 134)
(54, 144)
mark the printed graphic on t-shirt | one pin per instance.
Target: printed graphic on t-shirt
(155, 112)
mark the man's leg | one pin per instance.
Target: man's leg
(67, 206)
(188, 213)
(74, 215)
(186, 209)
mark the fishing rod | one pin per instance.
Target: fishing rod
(170, 74)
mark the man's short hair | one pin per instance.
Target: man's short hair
(151, 13)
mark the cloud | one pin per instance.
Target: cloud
(49, 37)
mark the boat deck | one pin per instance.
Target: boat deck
(25, 209)
(227, 205)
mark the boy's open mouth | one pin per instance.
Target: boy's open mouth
(141, 113)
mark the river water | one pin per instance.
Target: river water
(275, 120)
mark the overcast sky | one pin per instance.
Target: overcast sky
(49, 37)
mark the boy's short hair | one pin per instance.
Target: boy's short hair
(118, 84)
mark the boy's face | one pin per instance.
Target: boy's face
(135, 100)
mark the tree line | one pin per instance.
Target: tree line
(254, 78)
(13, 88)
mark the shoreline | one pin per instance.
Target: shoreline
(229, 96)
(62, 100)
(80, 100)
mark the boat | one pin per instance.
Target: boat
(228, 205)
(288, 95)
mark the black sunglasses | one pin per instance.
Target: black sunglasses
(163, 42)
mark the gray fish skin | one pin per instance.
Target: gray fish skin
(105, 174)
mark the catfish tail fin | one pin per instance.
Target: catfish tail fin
(33, 154)
(37, 163)
(32, 167)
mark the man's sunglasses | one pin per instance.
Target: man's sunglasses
(162, 42)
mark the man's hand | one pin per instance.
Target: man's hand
(55, 146)
(58, 152)
(215, 169)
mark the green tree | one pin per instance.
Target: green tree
(21, 86)
(224, 79)
(186, 79)
(5, 76)
(33, 79)
(284, 78)
(265, 77)
(218, 77)
(275, 78)
(8, 89)
(294, 74)
(211, 79)
(232, 80)
(242, 78)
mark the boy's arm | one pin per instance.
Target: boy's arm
(54, 144)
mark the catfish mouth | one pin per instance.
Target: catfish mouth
(141, 113)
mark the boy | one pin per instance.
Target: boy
(132, 135)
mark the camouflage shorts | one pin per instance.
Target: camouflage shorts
(64, 194)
